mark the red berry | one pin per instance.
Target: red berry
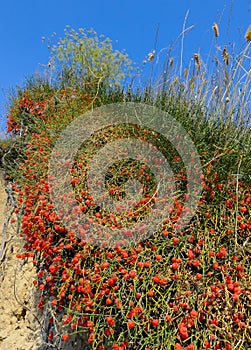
(65, 337)
(158, 257)
(193, 314)
(150, 293)
(168, 318)
(175, 266)
(155, 323)
(110, 320)
(130, 324)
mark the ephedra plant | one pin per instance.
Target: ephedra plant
(187, 289)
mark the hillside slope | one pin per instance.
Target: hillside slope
(19, 328)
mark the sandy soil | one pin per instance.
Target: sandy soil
(20, 321)
(19, 328)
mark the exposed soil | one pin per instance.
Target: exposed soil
(22, 327)
(19, 326)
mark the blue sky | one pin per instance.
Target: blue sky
(131, 24)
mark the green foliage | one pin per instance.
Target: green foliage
(83, 57)
(5, 146)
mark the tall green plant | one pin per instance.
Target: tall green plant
(83, 57)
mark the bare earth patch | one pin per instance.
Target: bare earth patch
(19, 327)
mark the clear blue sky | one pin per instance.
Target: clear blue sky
(132, 23)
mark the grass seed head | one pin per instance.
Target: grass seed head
(151, 56)
(248, 34)
(197, 59)
(216, 30)
(225, 56)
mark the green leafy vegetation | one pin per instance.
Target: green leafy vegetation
(83, 57)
